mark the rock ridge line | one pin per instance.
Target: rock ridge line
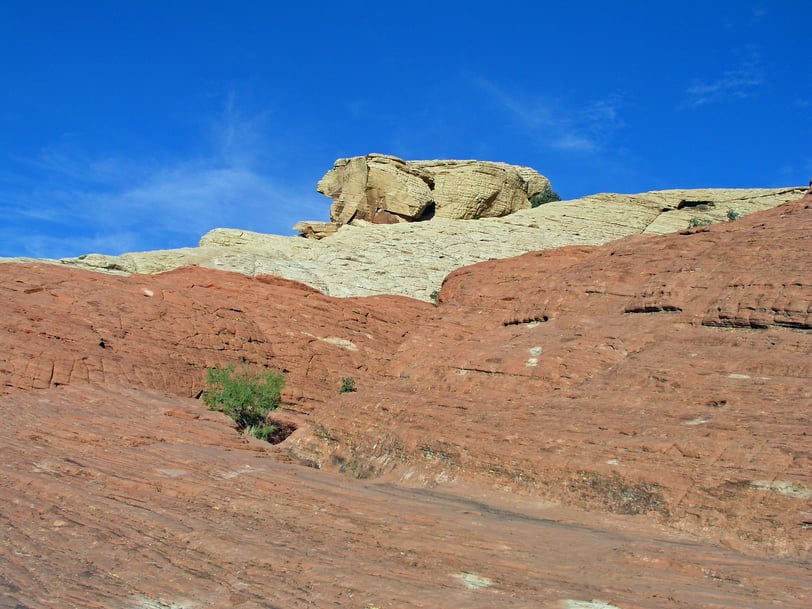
(412, 259)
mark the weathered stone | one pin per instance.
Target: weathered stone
(386, 190)
(316, 230)
(161, 331)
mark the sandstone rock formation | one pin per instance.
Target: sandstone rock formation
(413, 259)
(616, 426)
(384, 189)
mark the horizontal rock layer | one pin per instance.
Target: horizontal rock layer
(414, 259)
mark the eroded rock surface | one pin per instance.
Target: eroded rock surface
(666, 375)
(621, 426)
(384, 189)
(161, 331)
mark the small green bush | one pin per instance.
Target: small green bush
(347, 385)
(732, 215)
(544, 197)
(697, 222)
(247, 397)
(435, 296)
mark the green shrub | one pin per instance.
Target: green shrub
(697, 222)
(247, 397)
(347, 385)
(435, 296)
(263, 432)
(732, 215)
(544, 197)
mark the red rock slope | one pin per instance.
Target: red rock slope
(646, 404)
(162, 331)
(669, 376)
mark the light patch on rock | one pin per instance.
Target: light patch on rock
(148, 603)
(535, 351)
(475, 582)
(149, 293)
(593, 604)
(532, 362)
(334, 340)
(785, 487)
(738, 376)
(233, 474)
(696, 421)
(170, 473)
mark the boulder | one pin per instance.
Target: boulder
(315, 230)
(387, 190)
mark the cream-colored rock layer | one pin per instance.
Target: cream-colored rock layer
(412, 259)
(387, 190)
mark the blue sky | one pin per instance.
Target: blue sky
(136, 125)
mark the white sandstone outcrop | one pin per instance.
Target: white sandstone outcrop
(384, 189)
(412, 259)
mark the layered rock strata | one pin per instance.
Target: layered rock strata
(384, 189)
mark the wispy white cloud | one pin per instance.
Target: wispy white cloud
(758, 13)
(585, 129)
(78, 204)
(738, 83)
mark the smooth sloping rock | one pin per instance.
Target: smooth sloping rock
(113, 497)
(65, 325)
(667, 375)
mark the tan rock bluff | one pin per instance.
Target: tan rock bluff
(388, 190)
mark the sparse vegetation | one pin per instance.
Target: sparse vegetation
(246, 396)
(697, 222)
(347, 385)
(435, 296)
(544, 197)
(732, 215)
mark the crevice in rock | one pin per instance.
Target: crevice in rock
(700, 204)
(526, 320)
(282, 429)
(428, 212)
(653, 309)
(756, 325)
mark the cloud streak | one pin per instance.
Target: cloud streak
(583, 130)
(739, 83)
(74, 204)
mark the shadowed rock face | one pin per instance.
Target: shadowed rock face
(625, 423)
